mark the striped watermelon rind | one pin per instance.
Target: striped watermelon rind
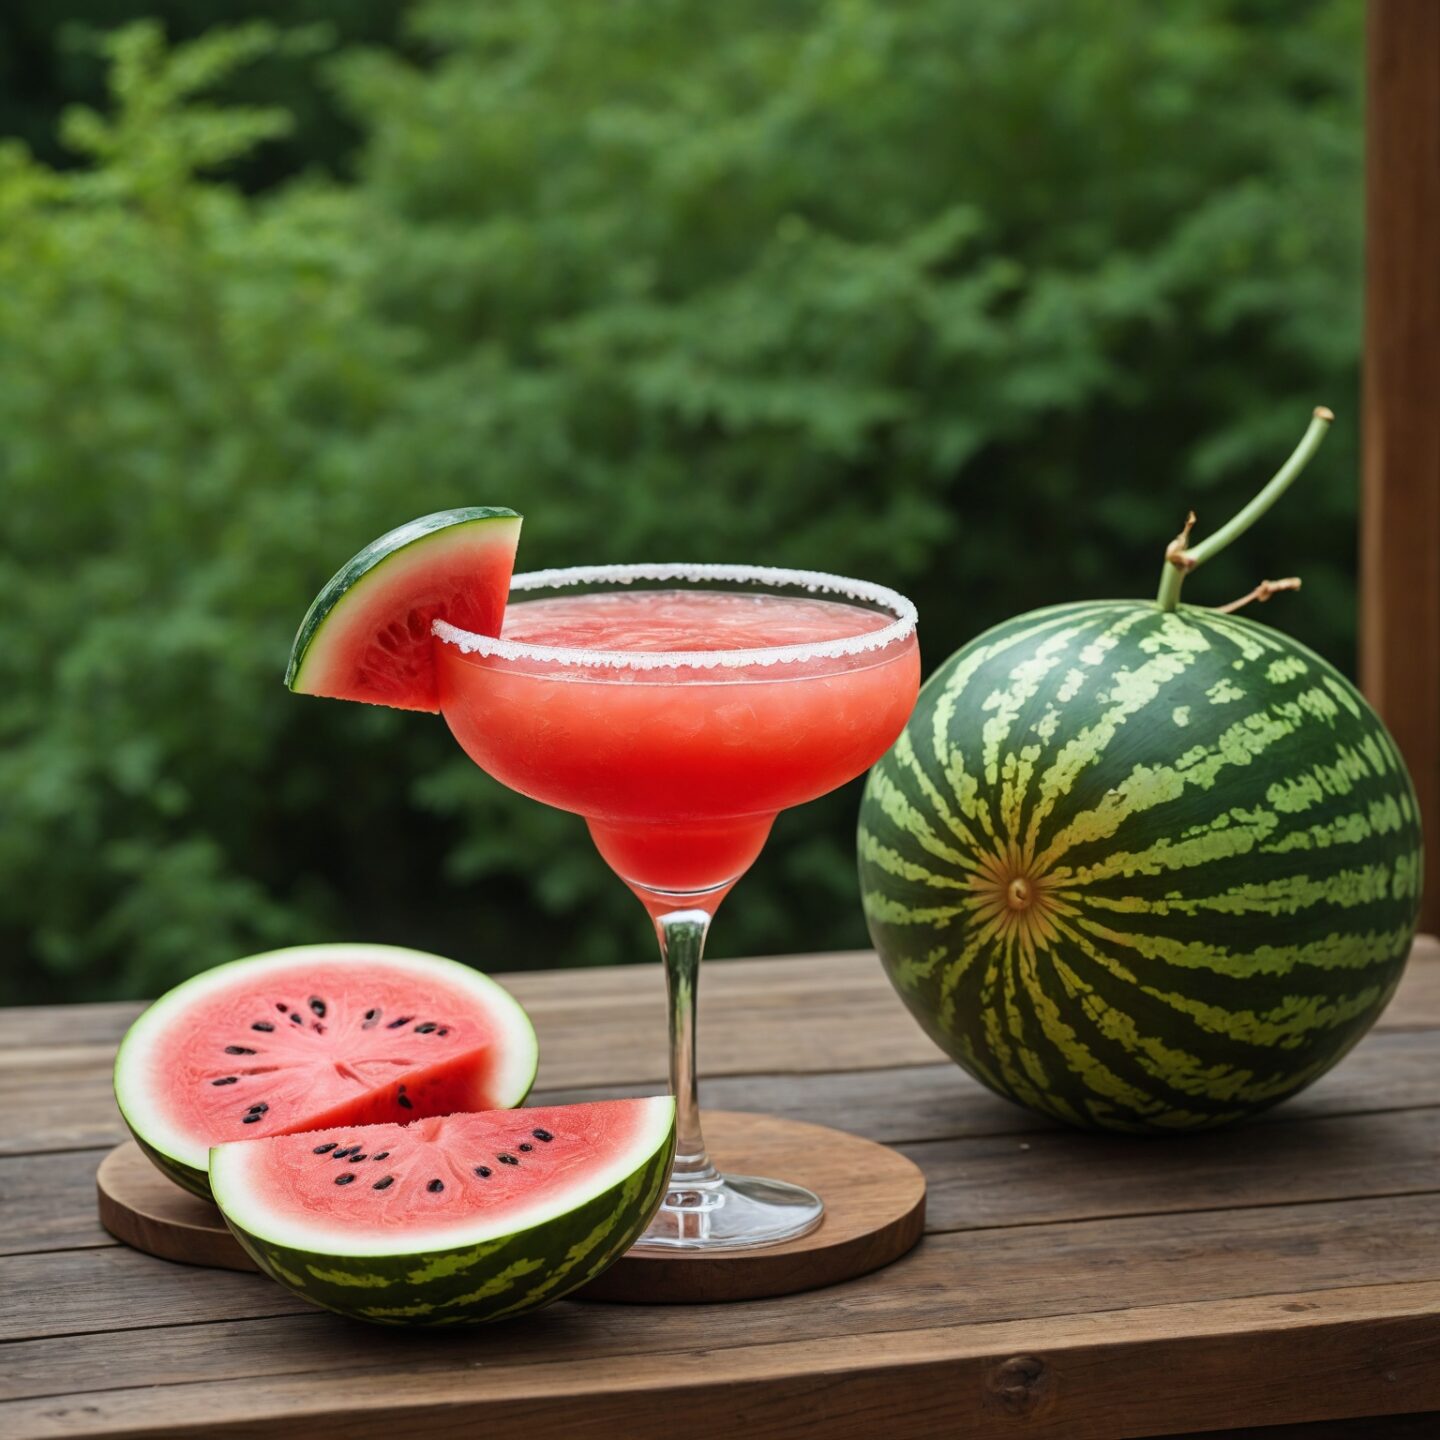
(494, 1277)
(1139, 869)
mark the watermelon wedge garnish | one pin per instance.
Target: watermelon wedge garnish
(452, 1220)
(316, 1035)
(366, 635)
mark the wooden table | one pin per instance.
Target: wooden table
(1068, 1286)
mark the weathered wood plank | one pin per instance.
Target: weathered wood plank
(1026, 1177)
(59, 1108)
(1081, 1379)
(955, 1278)
(1372, 1427)
(42, 1026)
(1060, 1176)
(1389, 1070)
(1400, 531)
(608, 1032)
(1035, 1266)
(47, 1202)
(828, 991)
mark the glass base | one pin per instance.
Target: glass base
(731, 1212)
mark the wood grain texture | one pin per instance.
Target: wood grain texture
(1285, 1272)
(1400, 535)
(961, 1277)
(1336, 1351)
(603, 1030)
(1373, 1427)
(38, 1209)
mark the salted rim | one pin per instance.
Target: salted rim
(902, 626)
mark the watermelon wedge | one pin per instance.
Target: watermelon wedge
(312, 1036)
(366, 635)
(452, 1220)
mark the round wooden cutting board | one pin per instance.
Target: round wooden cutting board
(874, 1213)
(148, 1212)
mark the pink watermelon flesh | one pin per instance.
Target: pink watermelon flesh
(372, 642)
(436, 1177)
(321, 1035)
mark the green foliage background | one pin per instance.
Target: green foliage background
(972, 299)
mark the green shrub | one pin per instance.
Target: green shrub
(973, 299)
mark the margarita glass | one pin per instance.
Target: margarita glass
(678, 709)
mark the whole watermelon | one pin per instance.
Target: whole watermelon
(1141, 868)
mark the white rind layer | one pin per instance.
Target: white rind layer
(137, 1098)
(243, 1200)
(812, 580)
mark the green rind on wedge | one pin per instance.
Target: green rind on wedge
(422, 543)
(468, 1284)
(1141, 870)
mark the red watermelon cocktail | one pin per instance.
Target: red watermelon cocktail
(679, 770)
(677, 708)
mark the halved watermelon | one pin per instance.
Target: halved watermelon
(316, 1035)
(453, 1220)
(366, 635)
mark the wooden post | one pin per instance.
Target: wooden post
(1400, 534)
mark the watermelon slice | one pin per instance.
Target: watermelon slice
(452, 1220)
(311, 1036)
(366, 635)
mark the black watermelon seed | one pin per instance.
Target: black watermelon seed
(356, 1159)
(442, 1031)
(403, 1020)
(405, 1102)
(238, 1050)
(483, 1171)
(341, 1154)
(258, 1108)
(295, 1016)
(524, 1146)
(249, 1119)
(371, 1016)
(544, 1135)
(344, 1179)
(435, 1186)
(317, 1027)
(322, 1149)
(262, 1025)
(281, 1006)
(507, 1159)
(380, 1155)
(318, 1006)
(426, 1029)
(228, 1080)
(384, 1183)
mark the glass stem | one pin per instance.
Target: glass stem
(682, 944)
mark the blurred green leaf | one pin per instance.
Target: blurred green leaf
(973, 299)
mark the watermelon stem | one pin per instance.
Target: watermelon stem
(1260, 594)
(1181, 557)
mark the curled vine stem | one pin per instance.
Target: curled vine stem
(1260, 594)
(1181, 557)
(1177, 552)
